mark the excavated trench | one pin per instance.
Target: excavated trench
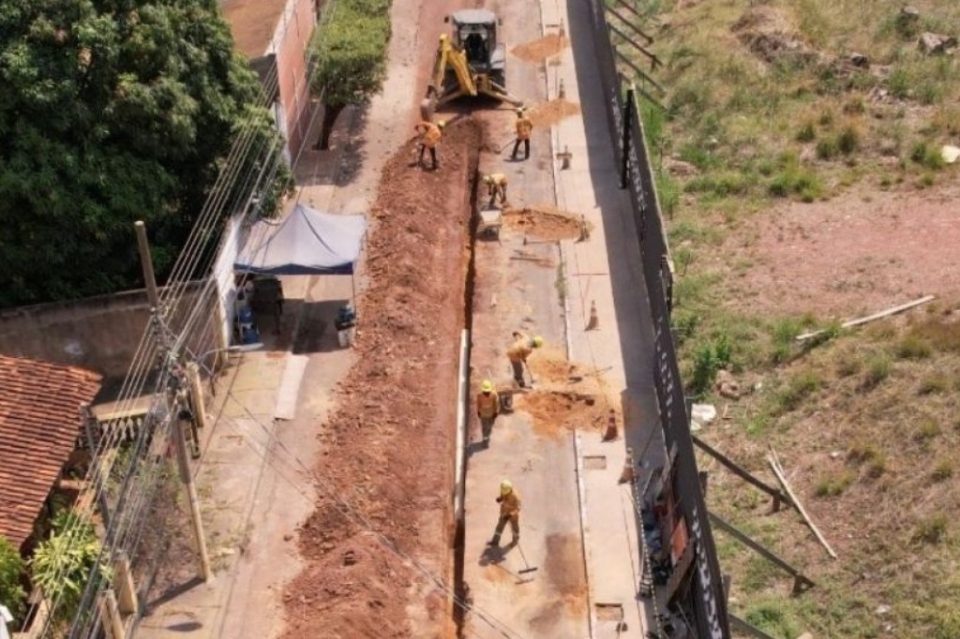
(460, 592)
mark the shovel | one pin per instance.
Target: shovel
(533, 382)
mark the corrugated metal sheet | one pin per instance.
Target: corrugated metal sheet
(39, 423)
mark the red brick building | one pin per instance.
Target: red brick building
(275, 36)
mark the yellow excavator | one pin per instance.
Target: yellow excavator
(469, 62)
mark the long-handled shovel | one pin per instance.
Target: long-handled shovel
(533, 382)
(528, 568)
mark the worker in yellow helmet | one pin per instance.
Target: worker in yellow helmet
(524, 128)
(509, 501)
(496, 189)
(520, 351)
(430, 136)
(488, 408)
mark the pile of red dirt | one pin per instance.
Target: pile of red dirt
(384, 480)
(546, 223)
(541, 48)
(549, 113)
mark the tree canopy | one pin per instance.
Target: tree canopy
(350, 53)
(111, 111)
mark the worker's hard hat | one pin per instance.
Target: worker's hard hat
(488, 179)
(486, 386)
(506, 487)
(520, 110)
(441, 124)
(537, 341)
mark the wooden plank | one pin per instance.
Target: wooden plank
(781, 476)
(870, 318)
(680, 571)
(740, 472)
(759, 549)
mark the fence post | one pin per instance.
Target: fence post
(625, 160)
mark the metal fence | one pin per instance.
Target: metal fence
(707, 601)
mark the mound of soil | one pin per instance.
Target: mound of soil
(546, 47)
(384, 476)
(545, 223)
(549, 113)
(768, 34)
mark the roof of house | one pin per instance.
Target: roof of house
(39, 423)
(253, 23)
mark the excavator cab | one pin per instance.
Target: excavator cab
(470, 61)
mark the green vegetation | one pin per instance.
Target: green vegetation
(61, 565)
(112, 113)
(12, 569)
(833, 484)
(350, 54)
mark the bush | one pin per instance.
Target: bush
(807, 133)
(708, 359)
(12, 567)
(833, 485)
(913, 347)
(848, 142)
(62, 564)
(943, 470)
(927, 155)
(827, 149)
(931, 530)
(878, 369)
(799, 387)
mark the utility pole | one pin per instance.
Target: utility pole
(177, 433)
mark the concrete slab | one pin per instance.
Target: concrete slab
(548, 602)
(289, 388)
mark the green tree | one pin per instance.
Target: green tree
(111, 111)
(62, 563)
(350, 56)
(12, 569)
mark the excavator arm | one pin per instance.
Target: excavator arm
(467, 82)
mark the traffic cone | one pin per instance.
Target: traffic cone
(627, 475)
(611, 433)
(594, 321)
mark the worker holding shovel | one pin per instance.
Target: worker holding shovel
(496, 189)
(509, 501)
(519, 352)
(488, 408)
(430, 136)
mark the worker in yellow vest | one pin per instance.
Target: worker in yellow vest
(488, 408)
(496, 189)
(524, 128)
(430, 136)
(519, 351)
(509, 501)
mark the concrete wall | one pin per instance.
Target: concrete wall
(290, 42)
(100, 333)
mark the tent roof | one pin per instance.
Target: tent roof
(306, 242)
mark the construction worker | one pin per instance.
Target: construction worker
(488, 408)
(430, 135)
(509, 501)
(496, 189)
(524, 127)
(519, 351)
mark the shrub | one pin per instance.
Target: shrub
(928, 429)
(807, 133)
(913, 347)
(878, 369)
(931, 530)
(708, 358)
(833, 485)
(799, 387)
(61, 565)
(927, 155)
(827, 148)
(934, 383)
(848, 141)
(943, 470)
(12, 567)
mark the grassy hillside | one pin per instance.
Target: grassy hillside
(769, 106)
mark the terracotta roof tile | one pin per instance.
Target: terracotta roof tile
(39, 423)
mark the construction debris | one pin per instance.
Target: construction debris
(870, 318)
(782, 478)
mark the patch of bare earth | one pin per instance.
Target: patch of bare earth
(385, 470)
(855, 254)
(545, 222)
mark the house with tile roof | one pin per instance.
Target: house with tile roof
(39, 425)
(275, 37)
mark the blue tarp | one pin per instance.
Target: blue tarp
(306, 242)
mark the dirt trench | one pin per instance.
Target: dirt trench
(385, 473)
